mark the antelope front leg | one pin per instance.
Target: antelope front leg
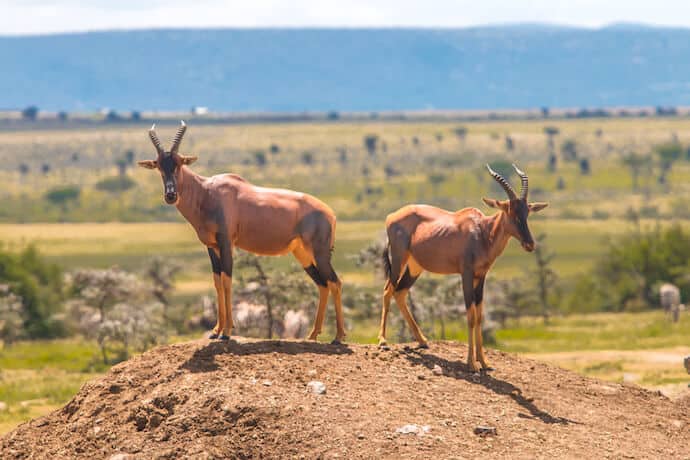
(470, 307)
(226, 281)
(220, 304)
(220, 293)
(478, 319)
(229, 324)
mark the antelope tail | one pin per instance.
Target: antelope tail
(387, 263)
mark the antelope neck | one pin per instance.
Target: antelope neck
(192, 195)
(494, 227)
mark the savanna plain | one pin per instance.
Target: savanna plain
(618, 192)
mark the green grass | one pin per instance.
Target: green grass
(70, 355)
(576, 243)
(597, 331)
(40, 376)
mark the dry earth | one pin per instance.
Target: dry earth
(249, 399)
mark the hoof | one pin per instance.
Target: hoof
(224, 337)
(487, 369)
(213, 335)
(423, 346)
(336, 342)
(384, 346)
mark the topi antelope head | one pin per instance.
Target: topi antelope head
(517, 209)
(168, 162)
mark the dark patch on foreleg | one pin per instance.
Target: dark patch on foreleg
(225, 253)
(215, 261)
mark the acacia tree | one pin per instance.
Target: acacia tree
(545, 277)
(636, 164)
(461, 132)
(135, 326)
(436, 179)
(11, 321)
(102, 289)
(114, 308)
(511, 299)
(371, 143)
(161, 272)
(551, 132)
(668, 154)
(278, 290)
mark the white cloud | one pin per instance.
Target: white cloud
(44, 16)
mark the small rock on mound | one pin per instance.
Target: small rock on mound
(210, 400)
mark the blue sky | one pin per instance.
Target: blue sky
(49, 16)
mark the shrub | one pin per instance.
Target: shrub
(115, 184)
(63, 195)
(38, 285)
(625, 276)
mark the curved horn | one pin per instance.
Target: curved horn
(156, 141)
(503, 183)
(525, 182)
(178, 138)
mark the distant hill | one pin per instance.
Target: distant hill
(348, 69)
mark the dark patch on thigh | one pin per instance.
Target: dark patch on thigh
(314, 274)
(406, 281)
(479, 292)
(316, 230)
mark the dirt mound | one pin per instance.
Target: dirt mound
(252, 399)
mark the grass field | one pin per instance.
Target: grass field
(577, 244)
(135, 225)
(361, 186)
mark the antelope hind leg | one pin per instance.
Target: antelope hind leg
(401, 300)
(306, 260)
(387, 295)
(335, 289)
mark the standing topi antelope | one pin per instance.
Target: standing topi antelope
(467, 242)
(227, 211)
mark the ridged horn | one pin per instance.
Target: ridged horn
(525, 182)
(503, 183)
(178, 138)
(156, 141)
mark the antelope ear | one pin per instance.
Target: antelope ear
(536, 207)
(188, 160)
(148, 164)
(502, 205)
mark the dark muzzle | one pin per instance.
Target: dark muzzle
(170, 193)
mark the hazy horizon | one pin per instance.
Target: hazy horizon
(43, 17)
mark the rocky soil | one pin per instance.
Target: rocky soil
(292, 399)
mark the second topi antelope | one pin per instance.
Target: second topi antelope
(467, 242)
(227, 212)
